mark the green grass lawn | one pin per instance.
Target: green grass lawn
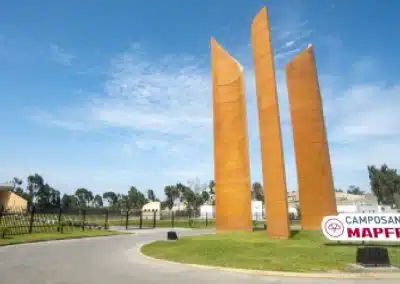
(38, 237)
(305, 252)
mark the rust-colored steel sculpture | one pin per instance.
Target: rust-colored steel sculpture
(314, 173)
(273, 165)
(231, 154)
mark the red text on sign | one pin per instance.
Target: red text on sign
(373, 233)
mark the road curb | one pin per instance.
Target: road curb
(321, 275)
(36, 242)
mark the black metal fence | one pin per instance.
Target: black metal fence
(36, 220)
(21, 221)
(17, 221)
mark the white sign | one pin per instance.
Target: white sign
(362, 227)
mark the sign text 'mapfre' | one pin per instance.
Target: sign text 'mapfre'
(362, 227)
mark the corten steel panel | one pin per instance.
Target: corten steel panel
(231, 154)
(273, 165)
(314, 173)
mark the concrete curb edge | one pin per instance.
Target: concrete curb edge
(320, 275)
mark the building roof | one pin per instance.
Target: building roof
(5, 186)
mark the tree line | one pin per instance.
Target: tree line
(40, 194)
(385, 184)
(384, 181)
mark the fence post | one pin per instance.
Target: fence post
(206, 219)
(1, 212)
(32, 219)
(106, 220)
(59, 219)
(127, 219)
(173, 219)
(83, 219)
(141, 219)
(154, 219)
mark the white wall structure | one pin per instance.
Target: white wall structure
(179, 207)
(347, 208)
(293, 211)
(206, 211)
(257, 210)
(149, 209)
(368, 205)
(343, 196)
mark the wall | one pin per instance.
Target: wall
(293, 211)
(206, 211)
(348, 208)
(257, 210)
(10, 201)
(231, 149)
(317, 198)
(148, 210)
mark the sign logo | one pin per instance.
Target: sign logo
(334, 228)
(362, 227)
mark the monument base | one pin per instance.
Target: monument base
(373, 257)
(359, 268)
(172, 236)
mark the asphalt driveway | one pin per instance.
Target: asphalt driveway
(114, 260)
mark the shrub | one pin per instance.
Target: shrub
(3, 231)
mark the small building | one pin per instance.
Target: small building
(206, 211)
(257, 210)
(11, 201)
(151, 208)
(366, 205)
(293, 212)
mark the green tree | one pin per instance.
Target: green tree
(111, 197)
(188, 197)
(338, 190)
(205, 196)
(55, 198)
(48, 197)
(355, 190)
(136, 199)
(181, 188)
(397, 200)
(17, 185)
(151, 195)
(35, 182)
(385, 183)
(172, 193)
(257, 191)
(198, 201)
(98, 201)
(18, 189)
(124, 202)
(193, 200)
(84, 196)
(69, 201)
(211, 186)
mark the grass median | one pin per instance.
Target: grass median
(39, 237)
(306, 251)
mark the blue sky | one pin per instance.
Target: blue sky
(107, 94)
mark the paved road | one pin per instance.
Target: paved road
(116, 260)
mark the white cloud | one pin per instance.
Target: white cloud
(60, 55)
(166, 96)
(164, 107)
